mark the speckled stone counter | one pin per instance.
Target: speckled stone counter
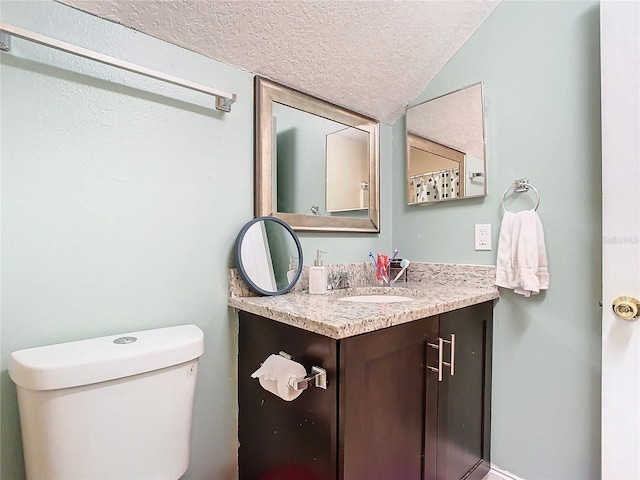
(434, 289)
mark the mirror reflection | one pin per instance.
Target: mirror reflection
(316, 163)
(322, 166)
(446, 155)
(347, 171)
(268, 256)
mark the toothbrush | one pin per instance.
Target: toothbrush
(404, 264)
(394, 255)
(375, 263)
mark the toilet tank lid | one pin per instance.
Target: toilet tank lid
(101, 359)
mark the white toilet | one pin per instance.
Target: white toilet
(115, 407)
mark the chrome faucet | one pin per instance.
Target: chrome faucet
(339, 280)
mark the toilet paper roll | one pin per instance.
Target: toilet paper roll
(274, 375)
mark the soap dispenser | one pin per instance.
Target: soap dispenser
(318, 276)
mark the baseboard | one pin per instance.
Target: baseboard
(502, 474)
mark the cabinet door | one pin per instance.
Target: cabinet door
(382, 388)
(463, 398)
(281, 440)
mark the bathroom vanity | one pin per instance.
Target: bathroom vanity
(409, 383)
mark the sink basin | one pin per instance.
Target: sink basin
(376, 298)
(375, 294)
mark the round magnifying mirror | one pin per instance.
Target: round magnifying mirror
(268, 256)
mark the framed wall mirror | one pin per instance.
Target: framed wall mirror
(316, 164)
(446, 147)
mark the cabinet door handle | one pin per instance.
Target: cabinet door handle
(452, 364)
(440, 362)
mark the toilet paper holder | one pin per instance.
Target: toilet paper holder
(318, 376)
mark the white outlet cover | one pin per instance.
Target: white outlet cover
(483, 236)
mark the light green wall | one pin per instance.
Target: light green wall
(121, 200)
(540, 64)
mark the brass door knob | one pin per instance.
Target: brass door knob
(627, 308)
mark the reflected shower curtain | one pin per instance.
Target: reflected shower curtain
(433, 186)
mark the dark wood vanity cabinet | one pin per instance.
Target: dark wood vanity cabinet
(385, 414)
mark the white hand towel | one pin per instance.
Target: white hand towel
(522, 255)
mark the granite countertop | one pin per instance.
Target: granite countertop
(434, 289)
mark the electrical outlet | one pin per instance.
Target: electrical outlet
(483, 236)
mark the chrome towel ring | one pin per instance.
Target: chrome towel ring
(521, 185)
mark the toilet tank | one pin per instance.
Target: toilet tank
(114, 407)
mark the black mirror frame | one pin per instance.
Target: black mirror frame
(243, 274)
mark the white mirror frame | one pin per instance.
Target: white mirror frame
(268, 92)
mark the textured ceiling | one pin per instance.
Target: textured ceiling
(373, 57)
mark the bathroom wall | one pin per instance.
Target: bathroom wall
(121, 200)
(540, 64)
